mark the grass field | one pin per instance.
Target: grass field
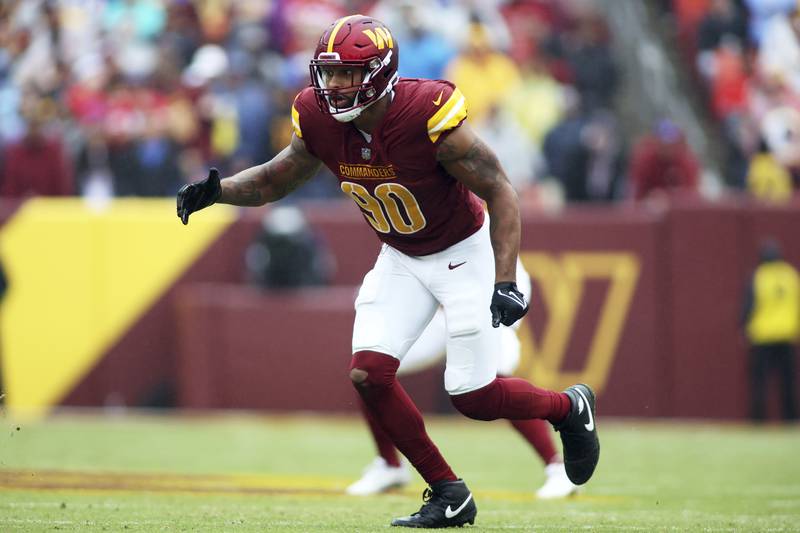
(241, 472)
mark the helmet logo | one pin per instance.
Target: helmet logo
(381, 37)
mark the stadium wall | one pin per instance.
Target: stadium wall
(642, 304)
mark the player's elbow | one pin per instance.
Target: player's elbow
(501, 196)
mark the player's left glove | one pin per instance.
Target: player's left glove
(508, 304)
(198, 195)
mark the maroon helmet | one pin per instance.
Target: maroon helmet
(362, 48)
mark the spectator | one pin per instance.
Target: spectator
(511, 145)
(36, 165)
(771, 320)
(425, 53)
(156, 158)
(779, 53)
(537, 102)
(564, 137)
(594, 73)
(92, 166)
(590, 162)
(252, 97)
(781, 130)
(728, 86)
(767, 179)
(662, 163)
(723, 20)
(483, 74)
(134, 19)
(761, 11)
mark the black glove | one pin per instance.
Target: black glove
(508, 304)
(198, 195)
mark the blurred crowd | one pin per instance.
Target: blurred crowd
(107, 98)
(745, 55)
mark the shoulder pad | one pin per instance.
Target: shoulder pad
(448, 109)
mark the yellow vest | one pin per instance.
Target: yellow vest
(768, 180)
(776, 309)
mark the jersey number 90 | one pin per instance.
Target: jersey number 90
(390, 207)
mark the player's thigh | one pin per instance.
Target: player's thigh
(465, 293)
(392, 308)
(429, 348)
(472, 358)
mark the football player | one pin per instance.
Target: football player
(401, 149)
(387, 471)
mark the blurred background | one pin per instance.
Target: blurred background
(655, 147)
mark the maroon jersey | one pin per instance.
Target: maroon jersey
(407, 197)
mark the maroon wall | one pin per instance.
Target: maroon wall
(705, 284)
(245, 348)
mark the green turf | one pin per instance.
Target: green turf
(651, 477)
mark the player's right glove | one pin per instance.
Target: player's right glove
(508, 304)
(198, 195)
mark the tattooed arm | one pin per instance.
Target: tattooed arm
(254, 186)
(465, 157)
(273, 180)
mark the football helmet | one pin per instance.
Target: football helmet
(363, 49)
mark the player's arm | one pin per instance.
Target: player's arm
(467, 158)
(254, 186)
(273, 180)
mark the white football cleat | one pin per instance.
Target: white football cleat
(379, 477)
(557, 484)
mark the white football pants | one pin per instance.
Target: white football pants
(402, 294)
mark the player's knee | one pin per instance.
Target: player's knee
(373, 369)
(358, 376)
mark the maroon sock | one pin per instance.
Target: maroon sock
(397, 415)
(515, 399)
(537, 433)
(382, 441)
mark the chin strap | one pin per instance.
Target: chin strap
(352, 114)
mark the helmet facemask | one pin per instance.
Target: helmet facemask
(348, 102)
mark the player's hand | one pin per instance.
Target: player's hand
(195, 196)
(508, 304)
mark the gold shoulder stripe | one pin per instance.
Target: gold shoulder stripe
(296, 121)
(448, 116)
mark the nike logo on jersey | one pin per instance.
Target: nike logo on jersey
(513, 297)
(451, 266)
(449, 513)
(582, 399)
(438, 98)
